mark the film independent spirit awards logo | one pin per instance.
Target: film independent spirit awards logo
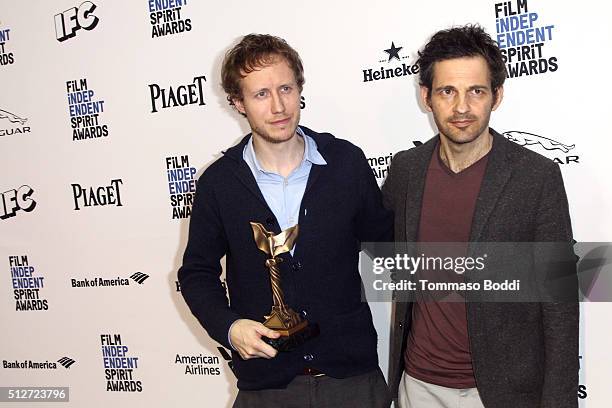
(523, 37)
(167, 17)
(181, 178)
(6, 56)
(120, 365)
(85, 111)
(28, 284)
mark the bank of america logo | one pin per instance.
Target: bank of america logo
(139, 277)
(66, 362)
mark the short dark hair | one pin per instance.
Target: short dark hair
(457, 42)
(252, 52)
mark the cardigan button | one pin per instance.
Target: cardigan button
(296, 266)
(269, 220)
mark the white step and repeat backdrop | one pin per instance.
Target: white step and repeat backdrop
(109, 110)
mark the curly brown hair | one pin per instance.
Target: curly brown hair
(252, 52)
(463, 41)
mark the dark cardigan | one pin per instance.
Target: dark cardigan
(341, 207)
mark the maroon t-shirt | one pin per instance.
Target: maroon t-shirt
(438, 350)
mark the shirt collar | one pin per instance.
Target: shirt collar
(311, 153)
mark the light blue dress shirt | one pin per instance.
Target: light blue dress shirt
(284, 195)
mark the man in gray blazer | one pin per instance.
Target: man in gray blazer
(470, 184)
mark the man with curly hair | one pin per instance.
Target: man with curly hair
(470, 184)
(281, 175)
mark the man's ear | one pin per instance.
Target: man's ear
(425, 97)
(499, 95)
(239, 105)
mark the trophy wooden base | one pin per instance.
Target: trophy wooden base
(295, 337)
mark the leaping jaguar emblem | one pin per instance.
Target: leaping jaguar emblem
(12, 117)
(526, 139)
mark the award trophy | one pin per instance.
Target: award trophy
(294, 329)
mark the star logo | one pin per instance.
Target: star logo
(393, 52)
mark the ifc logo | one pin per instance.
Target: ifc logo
(68, 22)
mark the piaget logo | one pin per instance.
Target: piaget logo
(182, 95)
(85, 196)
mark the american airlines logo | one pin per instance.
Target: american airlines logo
(139, 277)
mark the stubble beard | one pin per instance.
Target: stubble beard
(267, 137)
(462, 136)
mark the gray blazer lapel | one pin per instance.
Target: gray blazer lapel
(496, 176)
(415, 188)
